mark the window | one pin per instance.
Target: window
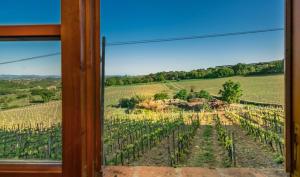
(30, 101)
(79, 48)
(139, 90)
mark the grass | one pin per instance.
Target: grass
(206, 156)
(265, 89)
(113, 94)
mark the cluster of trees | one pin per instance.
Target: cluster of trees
(45, 94)
(273, 67)
(231, 92)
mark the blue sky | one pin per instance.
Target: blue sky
(20, 12)
(123, 20)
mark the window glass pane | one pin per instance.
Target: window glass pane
(30, 101)
(192, 86)
(29, 12)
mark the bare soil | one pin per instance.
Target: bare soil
(141, 171)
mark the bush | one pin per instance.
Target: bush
(44, 93)
(279, 159)
(231, 92)
(130, 103)
(204, 94)
(161, 96)
(201, 94)
(182, 94)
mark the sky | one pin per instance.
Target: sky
(127, 20)
(23, 12)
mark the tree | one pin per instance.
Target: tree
(231, 92)
(240, 69)
(161, 96)
(182, 94)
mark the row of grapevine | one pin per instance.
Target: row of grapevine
(34, 143)
(127, 138)
(226, 138)
(268, 119)
(267, 136)
(179, 141)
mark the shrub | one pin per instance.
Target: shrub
(44, 93)
(231, 92)
(204, 94)
(279, 159)
(201, 94)
(161, 96)
(182, 94)
(130, 103)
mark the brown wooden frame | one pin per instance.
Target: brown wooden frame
(79, 33)
(289, 128)
(293, 53)
(80, 37)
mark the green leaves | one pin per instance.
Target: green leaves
(231, 92)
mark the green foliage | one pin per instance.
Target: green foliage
(273, 67)
(279, 159)
(231, 92)
(44, 93)
(182, 94)
(22, 95)
(204, 94)
(161, 96)
(31, 143)
(130, 103)
(5, 91)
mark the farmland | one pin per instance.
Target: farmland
(165, 132)
(265, 89)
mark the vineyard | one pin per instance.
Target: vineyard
(32, 132)
(130, 138)
(133, 139)
(200, 132)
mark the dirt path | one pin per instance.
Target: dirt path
(201, 149)
(206, 150)
(122, 171)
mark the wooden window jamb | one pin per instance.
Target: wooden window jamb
(29, 168)
(80, 42)
(289, 128)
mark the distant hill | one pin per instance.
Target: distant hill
(28, 77)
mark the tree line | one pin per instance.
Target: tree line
(240, 69)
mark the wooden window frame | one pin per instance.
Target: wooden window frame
(79, 33)
(288, 88)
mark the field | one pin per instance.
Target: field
(265, 89)
(167, 132)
